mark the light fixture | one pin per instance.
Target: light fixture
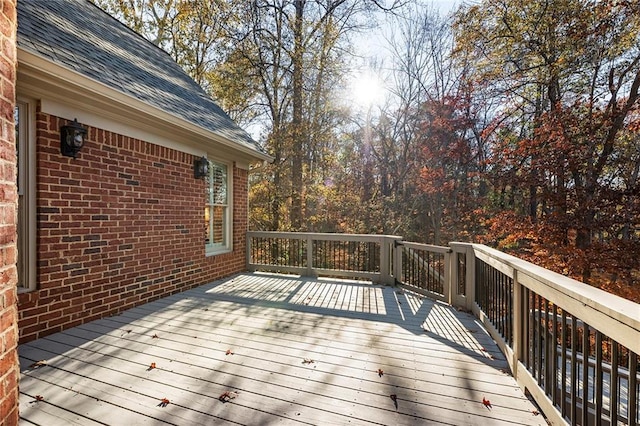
(200, 168)
(72, 138)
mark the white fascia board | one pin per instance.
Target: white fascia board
(68, 94)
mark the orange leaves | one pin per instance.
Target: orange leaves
(152, 366)
(163, 402)
(38, 364)
(229, 352)
(487, 352)
(227, 396)
(380, 372)
(486, 403)
(37, 399)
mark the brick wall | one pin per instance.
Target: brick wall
(9, 371)
(119, 226)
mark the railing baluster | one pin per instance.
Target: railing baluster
(563, 394)
(585, 373)
(494, 295)
(554, 355)
(574, 369)
(547, 349)
(526, 311)
(534, 334)
(614, 389)
(632, 405)
(511, 311)
(499, 300)
(597, 389)
(430, 274)
(540, 347)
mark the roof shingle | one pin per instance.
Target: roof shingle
(79, 36)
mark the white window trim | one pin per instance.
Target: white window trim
(213, 250)
(27, 228)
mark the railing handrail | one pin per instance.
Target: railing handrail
(619, 318)
(323, 236)
(429, 247)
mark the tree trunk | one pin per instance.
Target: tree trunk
(297, 131)
(583, 242)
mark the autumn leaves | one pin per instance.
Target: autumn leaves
(224, 397)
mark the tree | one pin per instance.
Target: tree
(568, 74)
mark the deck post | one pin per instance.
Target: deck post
(248, 258)
(448, 287)
(456, 297)
(310, 267)
(470, 290)
(397, 261)
(385, 260)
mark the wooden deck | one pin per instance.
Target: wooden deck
(287, 350)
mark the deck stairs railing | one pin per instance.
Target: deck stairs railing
(573, 347)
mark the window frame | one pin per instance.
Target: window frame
(211, 248)
(26, 181)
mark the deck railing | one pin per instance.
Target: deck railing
(572, 346)
(312, 254)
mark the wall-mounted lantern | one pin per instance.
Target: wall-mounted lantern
(72, 138)
(200, 168)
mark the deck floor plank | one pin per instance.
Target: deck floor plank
(438, 362)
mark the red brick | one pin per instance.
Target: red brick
(136, 199)
(8, 198)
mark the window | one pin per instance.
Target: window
(216, 210)
(25, 150)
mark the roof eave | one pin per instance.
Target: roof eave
(47, 79)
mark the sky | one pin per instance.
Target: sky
(367, 87)
(372, 42)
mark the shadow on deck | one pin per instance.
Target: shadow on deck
(264, 348)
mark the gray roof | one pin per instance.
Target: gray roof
(79, 36)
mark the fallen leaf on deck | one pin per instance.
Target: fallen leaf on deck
(394, 398)
(38, 364)
(155, 336)
(486, 403)
(227, 396)
(39, 398)
(163, 402)
(152, 366)
(380, 372)
(308, 361)
(229, 352)
(535, 412)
